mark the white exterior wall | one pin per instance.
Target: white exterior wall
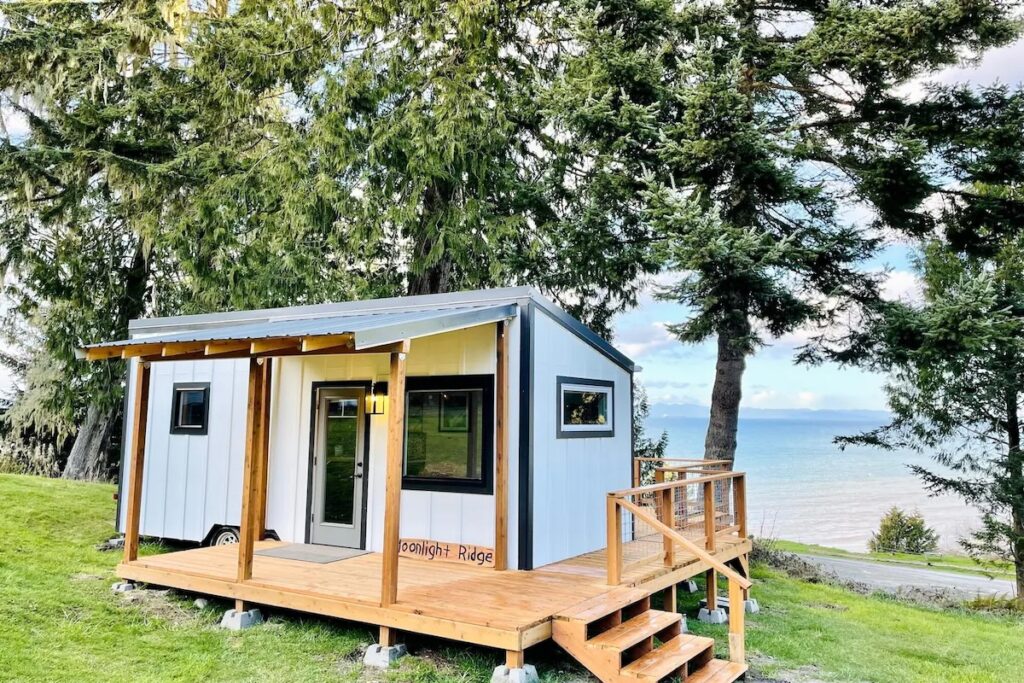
(571, 477)
(191, 483)
(441, 516)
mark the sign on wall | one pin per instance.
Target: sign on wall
(438, 551)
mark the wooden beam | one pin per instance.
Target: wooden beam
(270, 345)
(250, 472)
(614, 540)
(140, 350)
(172, 349)
(515, 659)
(711, 589)
(388, 636)
(393, 480)
(670, 602)
(737, 645)
(140, 416)
(220, 348)
(264, 453)
(501, 456)
(103, 353)
(327, 341)
(709, 515)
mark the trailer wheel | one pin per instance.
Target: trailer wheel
(225, 535)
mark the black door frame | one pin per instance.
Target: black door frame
(314, 408)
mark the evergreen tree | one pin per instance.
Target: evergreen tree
(753, 126)
(956, 360)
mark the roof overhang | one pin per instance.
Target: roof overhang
(381, 332)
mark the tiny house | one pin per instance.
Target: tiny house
(457, 465)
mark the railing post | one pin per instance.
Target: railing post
(737, 644)
(739, 502)
(614, 542)
(709, 515)
(636, 471)
(668, 516)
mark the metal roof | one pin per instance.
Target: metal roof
(435, 307)
(367, 330)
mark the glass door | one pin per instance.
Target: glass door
(338, 468)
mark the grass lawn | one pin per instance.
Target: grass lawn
(60, 621)
(944, 562)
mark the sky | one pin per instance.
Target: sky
(674, 373)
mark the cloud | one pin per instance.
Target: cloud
(903, 285)
(644, 340)
(773, 398)
(14, 122)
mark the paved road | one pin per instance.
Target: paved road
(894, 576)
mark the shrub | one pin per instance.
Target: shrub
(903, 532)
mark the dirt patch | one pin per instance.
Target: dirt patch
(164, 604)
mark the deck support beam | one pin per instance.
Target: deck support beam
(501, 466)
(393, 477)
(251, 471)
(140, 416)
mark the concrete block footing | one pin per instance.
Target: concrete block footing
(527, 674)
(124, 586)
(712, 616)
(688, 586)
(686, 628)
(233, 620)
(750, 606)
(381, 656)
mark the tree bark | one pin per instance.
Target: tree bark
(88, 458)
(438, 277)
(720, 441)
(1015, 464)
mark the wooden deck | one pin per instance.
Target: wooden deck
(510, 610)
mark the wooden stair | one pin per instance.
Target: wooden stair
(618, 637)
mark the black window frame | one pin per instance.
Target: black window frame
(175, 406)
(598, 433)
(482, 383)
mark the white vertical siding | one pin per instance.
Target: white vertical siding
(571, 476)
(191, 483)
(466, 518)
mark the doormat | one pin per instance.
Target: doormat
(321, 554)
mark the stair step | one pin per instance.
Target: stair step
(717, 671)
(629, 633)
(666, 659)
(601, 605)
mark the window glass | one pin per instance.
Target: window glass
(584, 407)
(444, 435)
(190, 407)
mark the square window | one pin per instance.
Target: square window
(585, 408)
(448, 434)
(190, 408)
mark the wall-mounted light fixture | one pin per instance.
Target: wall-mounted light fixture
(374, 401)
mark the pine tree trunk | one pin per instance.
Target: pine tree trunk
(436, 278)
(720, 441)
(88, 458)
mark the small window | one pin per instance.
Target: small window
(586, 408)
(190, 408)
(448, 434)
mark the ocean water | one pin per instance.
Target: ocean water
(802, 487)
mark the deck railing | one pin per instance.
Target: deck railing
(660, 522)
(653, 470)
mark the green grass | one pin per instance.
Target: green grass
(60, 621)
(943, 562)
(822, 632)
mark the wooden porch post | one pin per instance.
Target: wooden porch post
(393, 478)
(501, 466)
(264, 452)
(250, 473)
(140, 416)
